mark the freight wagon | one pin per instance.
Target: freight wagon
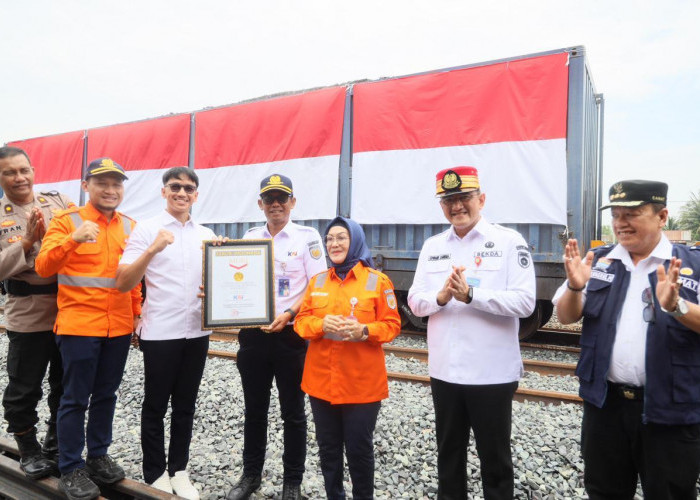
(532, 125)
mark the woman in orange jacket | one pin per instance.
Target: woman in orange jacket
(348, 312)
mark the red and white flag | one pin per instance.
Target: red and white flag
(508, 120)
(57, 162)
(237, 146)
(145, 150)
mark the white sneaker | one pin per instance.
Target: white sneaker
(183, 487)
(163, 483)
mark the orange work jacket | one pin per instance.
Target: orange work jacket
(344, 371)
(89, 304)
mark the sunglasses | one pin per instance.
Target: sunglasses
(269, 199)
(648, 313)
(175, 187)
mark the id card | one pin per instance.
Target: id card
(473, 282)
(283, 287)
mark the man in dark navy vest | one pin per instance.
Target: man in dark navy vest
(639, 369)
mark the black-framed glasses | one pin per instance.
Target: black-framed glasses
(648, 313)
(270, 198)
(175, 187)
(341, 238)
(462, 199)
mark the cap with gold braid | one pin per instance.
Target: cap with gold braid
(456, 180)
(635, 193)
(103, 166)
(276, 182)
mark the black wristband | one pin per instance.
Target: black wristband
(568, 285)
(293, 314)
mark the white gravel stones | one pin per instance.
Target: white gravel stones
(545, 441)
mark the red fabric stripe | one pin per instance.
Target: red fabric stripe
(55, 158)
(514, 101)
(147, 145)
(299, 126)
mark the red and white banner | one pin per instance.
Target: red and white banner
(57, 162)
(145, 150)
(237, 146)
(508, 120)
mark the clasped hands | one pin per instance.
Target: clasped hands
(347, 328)
(455, 286)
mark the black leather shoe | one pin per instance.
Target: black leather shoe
(31, 461)
(77, 485)
(291, 491)
(104, 469)
(49, 447)
(245, 487)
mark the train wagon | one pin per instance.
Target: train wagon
(370, 149)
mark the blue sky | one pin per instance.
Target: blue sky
(78, 64)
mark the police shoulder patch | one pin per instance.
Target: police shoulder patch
(524, 259)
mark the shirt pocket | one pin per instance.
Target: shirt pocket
(438, 266)
(319, 303)
(597, 293)
(365, 311)
(685, 365)
(586, 361)
(88, 259)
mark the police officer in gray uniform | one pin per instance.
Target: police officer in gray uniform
(30, 310)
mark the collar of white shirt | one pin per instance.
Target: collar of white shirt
(482, 227)
(662, 251)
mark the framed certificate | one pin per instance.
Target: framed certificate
(238, 284)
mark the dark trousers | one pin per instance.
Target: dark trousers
(173, 370)
(350, 426)
(262, 357)
(487, 410)
(92, 371)
(28, 355)
(617, 448)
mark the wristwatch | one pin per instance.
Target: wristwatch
(680, 310)
(470, 295)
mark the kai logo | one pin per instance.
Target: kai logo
(7, 223)
(15, 238)
(686, 271)
(238, 276)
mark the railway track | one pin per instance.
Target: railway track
(15, 485)
(522, 394)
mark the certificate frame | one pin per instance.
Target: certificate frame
(238, 281)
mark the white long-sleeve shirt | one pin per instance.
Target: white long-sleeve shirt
(475, 343)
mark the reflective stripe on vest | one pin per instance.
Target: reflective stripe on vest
(86, 281)
(321, 279)
(78, 220)
(372, 282)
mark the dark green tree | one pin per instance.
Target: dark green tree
(690, 216)
(672, 224)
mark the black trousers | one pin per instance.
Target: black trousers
(350, 426)
(487, 410)
(617, 448)
(262, 357)
(28, 356)
(173, 371)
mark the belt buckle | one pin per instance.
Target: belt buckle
(628, 393)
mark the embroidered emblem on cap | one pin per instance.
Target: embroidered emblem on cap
(451, 180)
(274, 180)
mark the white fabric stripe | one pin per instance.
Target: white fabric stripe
(339, 338)
(230, 194)
(524, 182)
(70, 188)
(142, 194)
(86, 281)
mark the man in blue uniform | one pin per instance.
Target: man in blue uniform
(639, 369)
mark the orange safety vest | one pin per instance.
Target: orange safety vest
(89, 303)
(343, 371)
